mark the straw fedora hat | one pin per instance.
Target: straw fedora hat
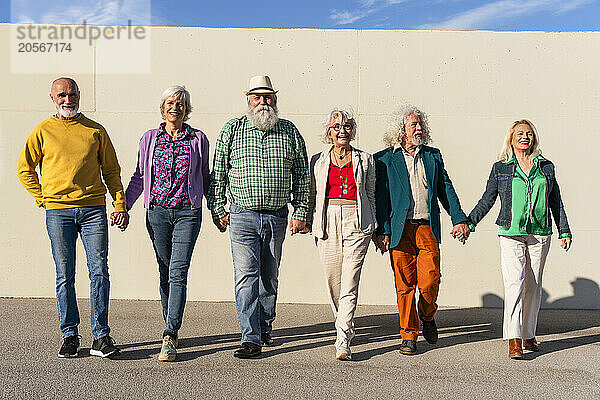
(260, 84)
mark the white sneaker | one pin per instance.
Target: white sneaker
(343, 354)
(342, 350)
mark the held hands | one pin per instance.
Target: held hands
(382, 242)
(221, 223)
(297, 226)
(120, 219)
(461, 232)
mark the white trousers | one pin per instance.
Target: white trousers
(523, 259)
(342, 253)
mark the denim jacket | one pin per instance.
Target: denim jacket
(499, 184)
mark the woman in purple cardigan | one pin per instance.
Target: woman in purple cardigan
(172, 172)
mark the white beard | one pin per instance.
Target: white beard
(419, 141)
(67, 112)
(264, 117)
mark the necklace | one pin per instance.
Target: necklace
(343, 153)
(175, 133)
(343, 179)
(343, 183)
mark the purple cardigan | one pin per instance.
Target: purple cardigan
(141, 180)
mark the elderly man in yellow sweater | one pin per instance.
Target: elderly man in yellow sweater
(72, 151)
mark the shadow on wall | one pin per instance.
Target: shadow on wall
(586, 295)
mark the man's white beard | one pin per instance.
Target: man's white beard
(263, 116)
(419, 141)
(67, 112)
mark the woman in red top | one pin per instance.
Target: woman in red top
(342, 218)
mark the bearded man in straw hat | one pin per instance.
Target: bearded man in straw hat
(261, 160)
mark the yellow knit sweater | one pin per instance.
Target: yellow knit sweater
(71, 154)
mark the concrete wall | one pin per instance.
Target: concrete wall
(472, 84)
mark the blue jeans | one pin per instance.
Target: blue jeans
(63, 226)
(256, 241)
(173, 232)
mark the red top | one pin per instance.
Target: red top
(340, 182)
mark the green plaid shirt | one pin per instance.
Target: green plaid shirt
(262, 170)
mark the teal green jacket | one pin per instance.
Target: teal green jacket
(392, 192)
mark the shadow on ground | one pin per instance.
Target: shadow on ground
(586, 295)
(380, 333)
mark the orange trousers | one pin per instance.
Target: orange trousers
(416, 262)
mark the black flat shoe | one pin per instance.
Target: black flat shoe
(247, 350)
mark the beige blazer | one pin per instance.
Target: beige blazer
(364, 175)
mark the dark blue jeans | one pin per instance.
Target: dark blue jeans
(63, 226)
(173, 232)
(256, 241)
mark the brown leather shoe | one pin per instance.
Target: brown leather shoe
(531, 345)
(514, 349)
(408, 347)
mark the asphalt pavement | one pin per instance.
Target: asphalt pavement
(468, 362)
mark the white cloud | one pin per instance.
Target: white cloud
(497, 11)
(94, 12)
(367, 7)
(24, 19)
(367, 3)
(102, 12)
(344, 17)
(572, 5)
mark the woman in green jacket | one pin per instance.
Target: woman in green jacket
(526, 184)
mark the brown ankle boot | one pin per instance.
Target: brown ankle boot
(531, 345)
(514, 349)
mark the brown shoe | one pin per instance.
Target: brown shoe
(514, 349)
(408, 347)
(531, 345)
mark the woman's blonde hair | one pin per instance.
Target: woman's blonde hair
(507, 152)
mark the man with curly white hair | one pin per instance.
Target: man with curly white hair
(411, 182)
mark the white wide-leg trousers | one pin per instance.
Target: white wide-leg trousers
(342, 254)
(523, 259)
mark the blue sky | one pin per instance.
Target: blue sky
(549, 15)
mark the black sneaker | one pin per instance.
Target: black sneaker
(70, 347)
(104, 347)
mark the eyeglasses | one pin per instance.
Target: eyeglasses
(338, 127)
